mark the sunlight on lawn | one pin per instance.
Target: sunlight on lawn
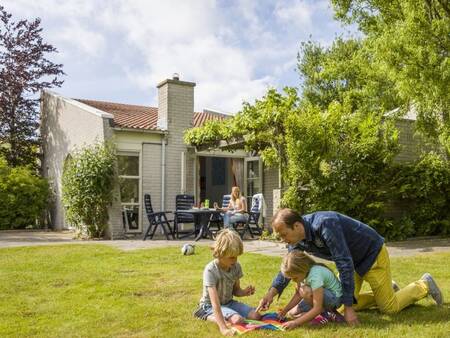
(96, 291)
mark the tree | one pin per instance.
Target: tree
(410, 40)
(24, 71)
(346, 73)
(339, 160)
(258, 128)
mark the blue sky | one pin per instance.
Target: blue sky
(119, 50)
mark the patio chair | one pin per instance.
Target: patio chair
(251, 226)
(183, 202)
(130, 218)
(156, 219)
(216, 220)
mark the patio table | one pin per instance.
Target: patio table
(201, 220)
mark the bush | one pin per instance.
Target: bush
(423, 189)
(344, 162)
(23, 197)
(339, 161)
(88, 181)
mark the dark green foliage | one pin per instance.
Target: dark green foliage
(339, 161)
(423, 189)
(23, 197)
(409, 41)
(88, 181)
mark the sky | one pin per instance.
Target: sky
(234, 50)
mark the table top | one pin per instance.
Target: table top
(200, 210)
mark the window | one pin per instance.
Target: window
(130, 182)
(253, 178)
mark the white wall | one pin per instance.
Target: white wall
(65, 125)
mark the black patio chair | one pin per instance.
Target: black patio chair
(252, 224)
(216, 221)
(157, 219)
(183, 202)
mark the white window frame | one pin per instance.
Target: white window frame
(246, 178)
(139, 203)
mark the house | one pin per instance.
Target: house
(152, 156)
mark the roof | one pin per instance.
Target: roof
(200, 118)
(127, 115)
(411, 113)
(144, 117)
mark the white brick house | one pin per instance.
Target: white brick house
(152, 155)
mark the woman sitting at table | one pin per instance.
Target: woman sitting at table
(236, 210)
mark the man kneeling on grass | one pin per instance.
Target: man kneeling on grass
(360, 255)
(221, 282)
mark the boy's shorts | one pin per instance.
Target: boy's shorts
(228, 309)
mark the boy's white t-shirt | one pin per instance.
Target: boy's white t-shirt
(224, 281)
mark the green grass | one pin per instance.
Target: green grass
(98, 291)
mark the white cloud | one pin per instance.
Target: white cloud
(82, 41)
(298, 13)
(233, 50)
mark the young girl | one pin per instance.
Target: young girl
(318, 289)
(221, 282)
(235, 212)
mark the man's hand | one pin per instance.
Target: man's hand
(265, 302)
(350, 316)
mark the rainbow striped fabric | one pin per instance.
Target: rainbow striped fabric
(269, 321)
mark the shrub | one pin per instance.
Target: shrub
(339, 161)
(88, 181)
(423, 189)
(23, 197)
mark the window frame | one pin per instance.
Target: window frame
(139, 203)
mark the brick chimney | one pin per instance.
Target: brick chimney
(175, 104)
(175, 114)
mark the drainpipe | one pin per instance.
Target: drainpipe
(183, 172)
(163, 173)
(280, 183)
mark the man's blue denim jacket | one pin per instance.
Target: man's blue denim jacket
(351, 244)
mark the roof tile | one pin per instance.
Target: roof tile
(143, 117)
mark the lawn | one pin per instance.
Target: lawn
(98, 291)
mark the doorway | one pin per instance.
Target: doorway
(217, 175)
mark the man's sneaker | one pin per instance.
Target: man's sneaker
(395, 286)
(433, 289)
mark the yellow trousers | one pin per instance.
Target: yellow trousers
(382, 294)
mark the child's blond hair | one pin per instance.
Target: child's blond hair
(228, 244)
(297, 263)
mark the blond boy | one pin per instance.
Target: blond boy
(221, 282)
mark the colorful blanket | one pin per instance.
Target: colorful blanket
(269, 321)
